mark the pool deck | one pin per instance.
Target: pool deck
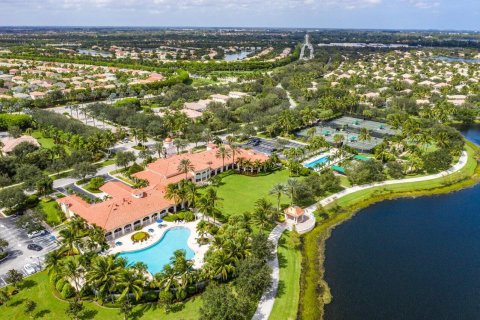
(128, 245)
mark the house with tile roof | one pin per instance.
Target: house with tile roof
(127, 208)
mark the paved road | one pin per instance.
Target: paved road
(308, 45)
(18, 242)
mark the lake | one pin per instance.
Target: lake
(408, 259)
(240, 55)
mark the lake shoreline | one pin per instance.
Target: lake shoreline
(314, 291)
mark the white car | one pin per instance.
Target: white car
(30, 268)
(37, 233)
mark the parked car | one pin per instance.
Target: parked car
(37, 233)
(30, 268)
(34, 247)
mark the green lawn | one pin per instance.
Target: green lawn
(52, 211)
(290, 262)
(239, 192)
(46, 143)
(38, 289)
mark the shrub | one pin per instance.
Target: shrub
(134, 168)
(95, 183)
(15, 120)
(188, 216)
(59, 285)
(67, 291)
(140, 237)
(150, 296)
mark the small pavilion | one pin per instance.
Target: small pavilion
(294, 214)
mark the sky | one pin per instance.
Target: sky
(372, 14)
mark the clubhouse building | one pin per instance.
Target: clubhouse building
(126, 208)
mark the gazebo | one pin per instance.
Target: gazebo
(294, 214)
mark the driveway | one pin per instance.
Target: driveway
(18, 242)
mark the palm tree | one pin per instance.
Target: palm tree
(364, 135)
(167, 278)
(240, 163)
(221, 265)
(173, 193)
(207, 136)
(262, 213)
(72, 271)
(234, 150)
(202, 229)
(258, 165)
(203, 205)
(130, 283)
(97, 235)
(159, 148)
(223, 153)
(278, 190)
(185, 166)
(104, 272)
(191, 192)
(292, 187)
(53, 262)
(69, 239)
(338, 138)
(311, 133)
(180, 144)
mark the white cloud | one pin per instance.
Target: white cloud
(189, 4)
(424, 4)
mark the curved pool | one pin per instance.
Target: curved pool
(158, 254)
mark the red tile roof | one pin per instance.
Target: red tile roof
(123, 207)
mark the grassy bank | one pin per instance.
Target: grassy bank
(286, 301)
(314, 293)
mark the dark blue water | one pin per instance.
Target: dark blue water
(408, 259)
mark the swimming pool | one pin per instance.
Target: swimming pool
(158, 255)
(312, 164)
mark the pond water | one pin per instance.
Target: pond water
(408, 259)
(237, 55)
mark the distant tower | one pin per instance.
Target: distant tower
(169, 147)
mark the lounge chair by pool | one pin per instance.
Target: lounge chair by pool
(118, 243)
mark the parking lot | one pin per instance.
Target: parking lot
(19, 255)
(267, 146)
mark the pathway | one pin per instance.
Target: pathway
(460, 164)
(293, 103)
(267, 300)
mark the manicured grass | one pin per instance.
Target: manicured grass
(38, 289)
(54, 215)
(238, 192)
(290, 262)
(46, 143)
(106, 163)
